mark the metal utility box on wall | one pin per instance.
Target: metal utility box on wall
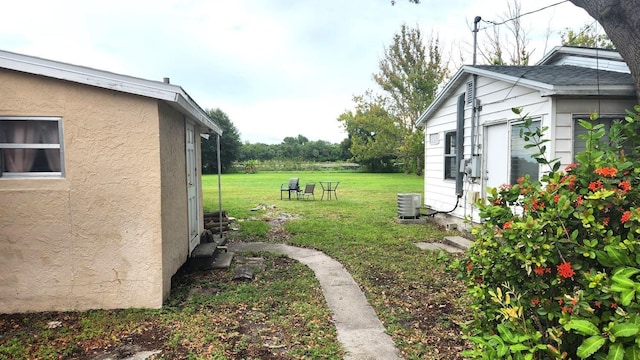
(409, 206)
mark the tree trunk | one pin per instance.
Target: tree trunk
(620, 19)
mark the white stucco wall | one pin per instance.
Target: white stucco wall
(92, 239)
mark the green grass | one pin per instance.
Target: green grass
(282, 313)
(359, 231)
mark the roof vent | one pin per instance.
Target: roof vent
(165, 80)
(468, 101)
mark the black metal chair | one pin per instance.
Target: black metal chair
(293, 187)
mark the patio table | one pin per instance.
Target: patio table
(329, 187)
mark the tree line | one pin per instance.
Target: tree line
(233, 151)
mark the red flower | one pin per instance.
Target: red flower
(597, 304)
(605, 221)
(606, 172)
(625, 216)
(556, 198)
(507, 225)
(469, 266)
(535, 302)
(624, 186)
(540, 270)
(570, 166)
(567, 309)
(536, 204)
(614, 305)
(570, 180)
(565, 270)
(520, 179)
(579, 200)
(595, 185)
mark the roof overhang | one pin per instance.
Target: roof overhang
(545, 89)
(559, 51)
(172, 94)
(460, 77)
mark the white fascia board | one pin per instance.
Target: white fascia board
(86, 75)
(471, 70)
(442, 96)
(184, 101)
(592, 90)
(536, 85)
(108, 80)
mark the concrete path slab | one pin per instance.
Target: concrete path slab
(458, 241)
(359, 329)
(438, 246)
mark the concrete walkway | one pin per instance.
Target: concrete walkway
(359, 329)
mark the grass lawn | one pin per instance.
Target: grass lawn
(281, 314)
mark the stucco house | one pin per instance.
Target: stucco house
(100, 187)
(472, 135)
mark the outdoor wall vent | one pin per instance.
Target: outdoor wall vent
(434, 139)
(468, 101)
(409, 206)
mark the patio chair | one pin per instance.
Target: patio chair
(293, 187)
(308, 192)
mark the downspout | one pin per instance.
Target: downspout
(459, 144)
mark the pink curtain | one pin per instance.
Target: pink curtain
(49, 135)
(21, 132)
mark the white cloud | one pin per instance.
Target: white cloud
(277, 67)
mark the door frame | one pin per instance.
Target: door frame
(193, 203)
(489, 156)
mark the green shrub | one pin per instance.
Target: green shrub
(554, 272)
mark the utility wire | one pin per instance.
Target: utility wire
(493, 23)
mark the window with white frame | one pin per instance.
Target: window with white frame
(31, 146)
(521, 161)
(450, 167)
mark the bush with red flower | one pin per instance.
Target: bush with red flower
(554, 271)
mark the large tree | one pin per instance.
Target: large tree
(588, 36)
(229, 145)
(410, 73)
(373, 133)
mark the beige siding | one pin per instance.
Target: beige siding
(175, 229)
(567, 108)
(92, 239)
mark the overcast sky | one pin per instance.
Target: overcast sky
(277, 68)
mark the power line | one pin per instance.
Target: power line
(493, 23)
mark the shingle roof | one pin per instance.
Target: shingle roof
(562, 75)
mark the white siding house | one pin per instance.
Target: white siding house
(472, 137)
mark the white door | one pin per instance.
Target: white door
(496, 155)
(192, 189)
